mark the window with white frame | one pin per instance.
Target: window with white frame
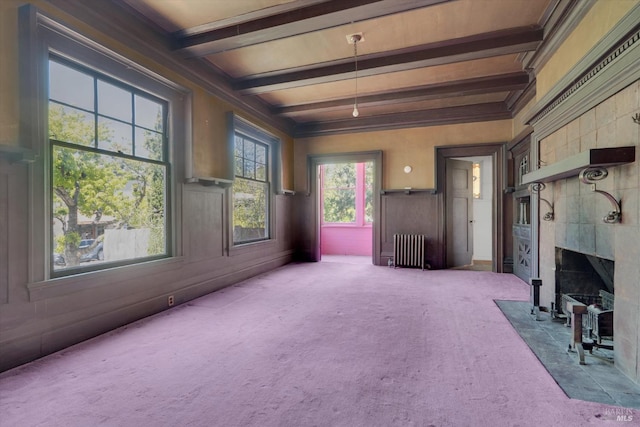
(255, 170)
(106, 129)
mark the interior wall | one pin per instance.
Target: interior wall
(403, 147)
(415, 213)
(40, 318)
(600, 19)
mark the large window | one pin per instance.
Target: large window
(250, 190)
(109, 170)
(109, 137)
(255, 155)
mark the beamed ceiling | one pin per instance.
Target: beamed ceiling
(422, 62)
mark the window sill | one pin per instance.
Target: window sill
(251, 247)
(17, 154)
(61, 286)
(337, 225)
(210, 181)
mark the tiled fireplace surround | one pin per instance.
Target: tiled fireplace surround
(578, 224)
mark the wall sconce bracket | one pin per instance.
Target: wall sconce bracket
(536, 188)
(591, 176)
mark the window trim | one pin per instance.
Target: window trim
(39, 36)
(237, 124)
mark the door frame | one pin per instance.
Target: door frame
(313, 163)
(497, 153)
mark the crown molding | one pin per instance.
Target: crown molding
(612, 65)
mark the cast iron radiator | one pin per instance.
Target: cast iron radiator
(409, 250)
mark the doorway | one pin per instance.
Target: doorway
(486, 236)
(346, 207)
(469, 205)
(315, 164)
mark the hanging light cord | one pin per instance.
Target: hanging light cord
(356, 39)
(355, 54)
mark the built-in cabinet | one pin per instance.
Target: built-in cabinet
(521, 225)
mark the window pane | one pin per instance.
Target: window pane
(340, 175)
(120, 209)
(368, 192)
(261, 154)
(368, 204)
(70, 86)
(70, 125)
(250, 206)
(148, 113)
(339, 205)
(149, 144)
(261, 172)
(239, 146)
(249, 150)
(114, 136)
(239, 166)
(114, 101)
(249, 169)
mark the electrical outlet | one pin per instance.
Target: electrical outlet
(170, 300)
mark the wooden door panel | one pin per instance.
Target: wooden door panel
(459, 211)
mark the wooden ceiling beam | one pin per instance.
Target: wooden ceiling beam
(289, 23)
(434, 117)
(477, 86)
(503, 42)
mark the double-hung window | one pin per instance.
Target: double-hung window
(255, 165)
(110, 137)
(109, 168)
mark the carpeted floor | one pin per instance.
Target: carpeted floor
(319, 344)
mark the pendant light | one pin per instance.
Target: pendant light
(354, 39)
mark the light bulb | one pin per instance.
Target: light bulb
(356, 113)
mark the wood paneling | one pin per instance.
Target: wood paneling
(203, 222)
(4, 232)
(411, 214)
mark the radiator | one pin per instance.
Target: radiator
(408, 250)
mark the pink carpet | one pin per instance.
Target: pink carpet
(321, 344)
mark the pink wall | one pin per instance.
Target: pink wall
(349, 239)
(346, 240)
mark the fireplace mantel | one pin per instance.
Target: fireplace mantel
(571, 166)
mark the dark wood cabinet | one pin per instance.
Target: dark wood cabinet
(521, 208)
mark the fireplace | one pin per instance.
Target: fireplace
(587, 281)
(581, 274)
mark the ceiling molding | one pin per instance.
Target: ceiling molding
(291, 22)
(517, 100)
(564, 18)
(434, 117)
(482, 85)
(478, 46)
(618, 46)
